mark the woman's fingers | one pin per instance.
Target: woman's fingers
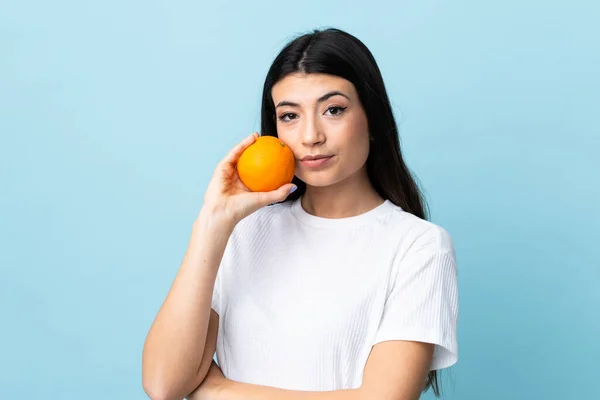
(234, 154)
(275, 196)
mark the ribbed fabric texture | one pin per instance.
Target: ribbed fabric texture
(303, 299)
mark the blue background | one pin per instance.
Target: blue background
(113, 115)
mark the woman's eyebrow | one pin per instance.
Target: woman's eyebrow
(331, 94)
(319, 100)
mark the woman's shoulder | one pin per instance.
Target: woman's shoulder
(420, 233)
(264, 216)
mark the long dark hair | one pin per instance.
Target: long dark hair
(335, 52)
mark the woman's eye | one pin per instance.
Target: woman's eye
(335, 111)
(287, 117)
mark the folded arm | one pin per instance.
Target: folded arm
(395, 370)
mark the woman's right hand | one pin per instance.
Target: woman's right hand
(227, 197)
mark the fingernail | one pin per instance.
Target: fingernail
(293, 189)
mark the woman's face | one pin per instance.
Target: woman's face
(321, 119)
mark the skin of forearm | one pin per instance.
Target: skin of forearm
(175, 344)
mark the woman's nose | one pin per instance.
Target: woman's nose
(312, 134)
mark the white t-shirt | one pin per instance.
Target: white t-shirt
(302, 299)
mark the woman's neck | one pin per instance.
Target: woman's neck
(347, 198)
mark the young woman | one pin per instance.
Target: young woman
(332, 287)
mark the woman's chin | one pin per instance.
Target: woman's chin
(319, 182)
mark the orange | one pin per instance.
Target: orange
(266, 164)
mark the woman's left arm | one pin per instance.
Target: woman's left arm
(395, 370)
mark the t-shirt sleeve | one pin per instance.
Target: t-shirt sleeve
(229, 264)
(219, 295)
(216, 296)
(422, 303)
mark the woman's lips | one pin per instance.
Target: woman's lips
(316, 163)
